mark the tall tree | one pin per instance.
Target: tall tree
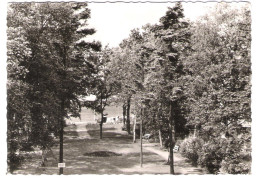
(103, 84)
(218, 85)
(151, 67)
(167, 49)
(19, 120)
(128, 71)
(56, 68)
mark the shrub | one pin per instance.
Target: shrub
(237, 159)
(190, 148)
(13, 158)
(14, 161)
(211, 155)
(231, 155)
(235, 166)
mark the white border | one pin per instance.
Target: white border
(255, 115)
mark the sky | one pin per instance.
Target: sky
(113, 21)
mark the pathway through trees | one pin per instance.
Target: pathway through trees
(83, 154)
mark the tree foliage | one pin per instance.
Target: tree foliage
(47, 69)
(218, 84)
(201, 69)
(180, 74)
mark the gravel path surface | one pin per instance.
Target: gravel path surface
(181, 165)
(85, 153)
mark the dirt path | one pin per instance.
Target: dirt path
(85, 153)
(82, 131)
(181, 165)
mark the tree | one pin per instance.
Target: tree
(150, 69)
(19, 120)
(54, 59)
(127, 70)
(103, 84)
(218, 85)
(167, 49)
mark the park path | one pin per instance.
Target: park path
(80, 140)
(82, 131)
(181, 165)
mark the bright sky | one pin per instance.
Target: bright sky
(113, 21)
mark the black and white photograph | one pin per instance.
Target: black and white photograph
(128, 87)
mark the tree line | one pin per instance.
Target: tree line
(175, 76)
(50, 67)
(188, 76)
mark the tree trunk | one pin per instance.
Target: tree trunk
(160, 138)
(134, 134)
(141, 139)
(124, 113)
(101, 122)
(171, 139)
(61, 134)
(128, 115)
(44, 157)
(100, 131)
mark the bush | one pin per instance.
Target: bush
(237, 159)
(13, 158)
(235, 166)
(211, 155)
(190, 148)
(219, 155)
(13, 161)
(26, 146)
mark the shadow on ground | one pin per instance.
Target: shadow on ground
(85, 153)
(114, 141)
(82, 140)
